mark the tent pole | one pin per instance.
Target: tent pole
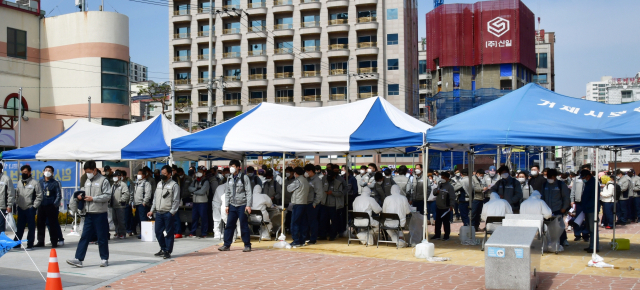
(452, 160)
(595, 214)
(542, 166)
(470, 189)
(346, 196)
(425, 182)
(282, 194)
(615, 184)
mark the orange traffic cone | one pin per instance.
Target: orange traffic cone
(53, 274)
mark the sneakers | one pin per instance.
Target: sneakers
(566, 243)
(159, 254)
(166, 255)
(104, 263)
(38, 245)
(577, 239)
(224, 248)
(296, 245)
(445, 239)
(60, 243)
(29, 248)
(436, 238)
(311, 243)
(608, 227)
(246, 249)
(177, 236)
(75, 262)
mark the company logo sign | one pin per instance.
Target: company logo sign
(498, 26)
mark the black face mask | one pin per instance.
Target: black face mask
(25, 176)
(163, 177)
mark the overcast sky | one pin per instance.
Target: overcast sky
(593, 37)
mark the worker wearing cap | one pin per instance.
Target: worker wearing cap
(490, 180)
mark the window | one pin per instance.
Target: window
(233, 73)
(258, 23)
(392, 14)
(311, 18)
(205, 75)
(338, 93)
(311, 43)
(183, 76)
(114, 122)
(338, 18)
(311, 92)
(627, 96)
(232, 25)
(284, 69)
(183, 31)
(204, 97)
(393, 89)
(392, 64)
(392, 39)
(541, 58)
(371, 13)
(422, 66)
(284, 96)
(340, 40)
(183, 99)
(367, 38)
(540, 79)
(285, 22)
(367, 91)
(367, 63)
(602, 85)
(257, 97)
(115, 81)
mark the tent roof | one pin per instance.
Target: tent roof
(89, 141)
(368, 125)
(533, 115)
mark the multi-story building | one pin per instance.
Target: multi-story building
(597, 91)
(623, 90)
(424, 82)
(138, 72)
(295, 52)
(59, 63)
(545, 60)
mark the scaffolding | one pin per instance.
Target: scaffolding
(446, 104)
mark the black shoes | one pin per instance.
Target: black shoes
(246, 249)
(159, 254)
(166, 255)
(224, 248)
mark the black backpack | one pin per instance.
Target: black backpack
(618, 191)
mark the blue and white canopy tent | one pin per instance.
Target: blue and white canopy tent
(533, 115)
(147, 140)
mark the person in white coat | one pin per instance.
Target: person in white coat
(261, 202)
(365, 203)
(398, 204)
(535, 205)
(218, 210)
(495, 207)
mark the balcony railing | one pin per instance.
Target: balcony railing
(257, 76)
(203, 103)
(310, 98)
(182, 82)
(203, 56)
(232, 102)
(181, 12)
(230, 54)
(367, 44)
(203, 33)
(181, 35)
(286, 50)
(338, 46)
(310, 48)
(257, 100)
(364, 70)
(282, 2)
(256, 4)
(182, 58)
(236, 6)
(338, 21)
(232, 78)
(366, 19)
(284, 99)
(309, 1)
(339, 71)
(337, 97)
(367, 95)
(203, 81)
(284, 75)
(311, 24)
(256, 28)
(283, 26)
(257, 52)
(310, 73)
(230, 30)
(204, 10)
(423, 86)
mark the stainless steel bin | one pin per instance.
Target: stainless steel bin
(512, 258)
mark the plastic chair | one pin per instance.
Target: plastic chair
(257, 215)
(490, 220)
(388, 217)
(359, 216)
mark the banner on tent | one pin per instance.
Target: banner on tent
(64, 171)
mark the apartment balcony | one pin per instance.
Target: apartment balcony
(231, 6)
(310, 5)
(338, 25)
(231, 58)
(367, 70)
(284, 100)
(367, 25)
(183, 84)
(255, 101)
(257, 56)
(181, 62)
(203, 60)
(256, 32)
(258, 80)
(311, 52)
(337, 75)
(181, 39)
(336, 50)
(258, 8)
(423, 86)
(205, 103)
(203, 37)
(181, 16)
(311, 98)
(367, 48)
(367, 19)
(310, 77)
(283, 54)
(367, 95)
(282, 6)
(310, 27)
(234, 54)
(337, 97)
(203, 13)
(232, 102)
(203, 81)
(283, 30)
(284, 79)
(231, 34)
(366, 2)
(337, 3)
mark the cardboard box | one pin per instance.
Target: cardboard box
(148, 231)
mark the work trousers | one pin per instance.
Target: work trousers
(117, 214)
(141, 212)
(132, 221)
(94, 224)
(443, 220)
(463, 208)
(476, 210)
(26, 217)
(607, 214)
(3, 223)
(199, 211)
(312, 216)
(636, 202)
(298, 223)
(48, 214)
(583, 230)
(328, 223)
(165, 223)
(237, 213)
(592, 229)
(621, 210)
(631, 211)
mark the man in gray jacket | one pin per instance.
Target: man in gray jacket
(97, 194)
(623, 204)
(314, 204)
(239, 198)
(299, 189)
(166, 201)
(119, 203)
(333, 200)
(29, 198)
(142, 196)
(445, 200)
(581, 232)
(508, 188)
(199, 189)
(7, 196)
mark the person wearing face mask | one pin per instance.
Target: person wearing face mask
(142, 196)
(417, 190)
(261, 175)
(508, 188)
(478, 202)
(184, 181)
(29, 197)
(576, 201)
(398, 204)
(387, 183)
(378, 189)
(131, 220)
(199, 191)
(96, 203)
(149, 177)
(48, 209)
(490, 180)
(165, 205)
(272, 188)
(251, 173)
(300, 190)
(362, 172)
(445, 198)
(588, 206)
(7, 196)
(527, 189)
(319, 172)
(622, 208)
(463, 196)
(289, 177)
(239, 198)
(108, 173)
(635, 183)
(118, 203)
(402, 181)
(557, 196)
(537, 180)
(332, 202)
(316, 195)
(369, 179)
(455, 181)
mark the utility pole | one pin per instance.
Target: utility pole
(19, 116)
(210, 65)
(89, 109)
(173, 103)
(348, 80)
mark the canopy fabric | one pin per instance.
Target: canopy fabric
(533, 115)
(89, 141)
(367, 125)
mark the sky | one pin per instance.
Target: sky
(594, 38)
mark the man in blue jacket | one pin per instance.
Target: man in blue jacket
(48, 210)
(588, 206)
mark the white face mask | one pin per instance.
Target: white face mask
(362, 171)
(521, 179)
(47, 174)
(458, 174)
(418, 171)
(267, 180)
(550, 180)
(139, 177)
(199, 174)
(504, 175)
(250, 174)
(368, 170)
(227, 175)
(287, 174)
(341, 172)
(306, 174)
(407, 175)
(534, 173)
(232, 170)
(492, 173)
(115, 179)
(89, 175)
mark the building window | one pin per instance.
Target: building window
(115, 81)
(627, 96)
(232, 98)
(284, 96)
(540, 79)
(541, 58)
(392, 64)
(392, 39)
(257, 97)
(393, 89)
(338, 93)
(422, 66)
(16, 43)
(114, 122)
(392, 14)
(312, 94)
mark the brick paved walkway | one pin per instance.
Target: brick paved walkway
(288, 269)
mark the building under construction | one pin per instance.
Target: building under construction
(477, 53)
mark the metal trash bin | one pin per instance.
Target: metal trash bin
(512, 258)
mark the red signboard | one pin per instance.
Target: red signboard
(488, 32)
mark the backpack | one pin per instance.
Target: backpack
(618, 191)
